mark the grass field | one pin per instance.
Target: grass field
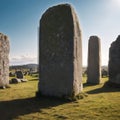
(19, 103)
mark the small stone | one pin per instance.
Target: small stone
(19, 74)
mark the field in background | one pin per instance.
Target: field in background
(19, 103)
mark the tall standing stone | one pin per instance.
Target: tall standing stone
(94, 60)
(114, 62)
(4, 60)
(60, 53)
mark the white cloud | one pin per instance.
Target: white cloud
(23, 59)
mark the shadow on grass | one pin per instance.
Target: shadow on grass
(10, 110)
(88, 84)
(103, 89)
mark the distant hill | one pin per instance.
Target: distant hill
(35, 67)
(31, 65)
(102, 67)
(27, 66)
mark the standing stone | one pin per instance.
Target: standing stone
(4, 60)
(60, 53)
(114, 62)
(94, 60)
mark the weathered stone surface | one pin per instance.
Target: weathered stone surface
(94, 60)
(114, 62)
(4, 60)
(60, 52)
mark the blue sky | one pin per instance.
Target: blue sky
(19, 19)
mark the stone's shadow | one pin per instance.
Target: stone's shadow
(10, 110)
(104, 89)
(88, 84)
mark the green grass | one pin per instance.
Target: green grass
(19, 103)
